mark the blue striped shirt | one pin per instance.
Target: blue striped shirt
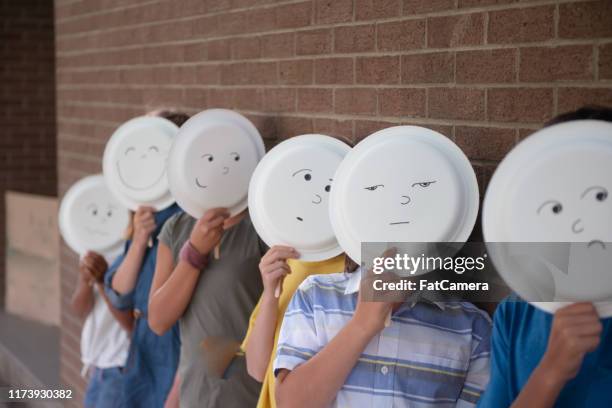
(432, 354)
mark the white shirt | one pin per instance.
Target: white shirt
(104, 343)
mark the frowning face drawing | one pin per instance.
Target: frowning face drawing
(289, 194)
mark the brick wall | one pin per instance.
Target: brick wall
(27, 104)
(483, 72)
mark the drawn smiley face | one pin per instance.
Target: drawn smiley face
(212, 160)
(289, 195)
(91, 218)
(404, 184)
(135, 162)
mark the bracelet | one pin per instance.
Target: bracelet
(192, 256)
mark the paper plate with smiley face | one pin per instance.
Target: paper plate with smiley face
(403, 184)
(552, 191)
(212, 160)
(134, 162)
(90, 218)
(289, 195)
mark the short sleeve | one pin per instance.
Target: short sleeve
(166, 235)
(497, 393)
(252, 321)
(297, 341)
(120, 301)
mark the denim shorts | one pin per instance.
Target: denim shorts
(105, 388)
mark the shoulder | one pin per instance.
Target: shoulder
(332, 281)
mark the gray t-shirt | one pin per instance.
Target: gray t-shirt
(216, 319)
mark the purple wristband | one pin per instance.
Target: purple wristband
(192, 256)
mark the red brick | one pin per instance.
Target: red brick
(519, 104)
(402, 102)
(333, 11)
(454, 31)
(521, 25)
(569, 99)
(246, 48)
(546, 64)
(315, 100)
(585, 20)
(334, 71)
(487, 66)
(279, 100)
(313, 42)
(436, 67)
(376, 9)
(377, 70)
(480, 3)
(605, 61)
(217, 50)
(294, 15)
(401, 36)
(298, 72)
(456, 103)
(485, 143)
(334, 127)
(278, 45)
(420, 6)
(288, 126)
(357, 101)
(364, 128)
(248, 98)
(359, 38)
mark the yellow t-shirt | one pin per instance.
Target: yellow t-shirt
(299, 271)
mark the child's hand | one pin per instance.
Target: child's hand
(93, 266)
(274, 267)
(575, 331)
(144, 225)
(208, 230)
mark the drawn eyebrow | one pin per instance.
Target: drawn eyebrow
(234, 153)
(206, 154)
(544, 203)
(592, 188)
(154, 148)
(129, 149)
(299, 171)
(92, 205)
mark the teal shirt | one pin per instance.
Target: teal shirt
(520, 338)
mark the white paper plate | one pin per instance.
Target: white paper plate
(134, 162)
(212, 160)
(90, 218)
(403, 184)
(548, 189)
(289, 195)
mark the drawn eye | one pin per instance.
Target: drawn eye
(208, 157)
(154, 149)
(555, 206)
(94, 211)
(130, 150)
(236, 156)
(109, 213)
(423, 184)
(601, 196)
(328, 188)
(307, 177)
(374, 187)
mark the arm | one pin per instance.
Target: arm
(125, 318)
(273, 268)
(576, 330)
(172, 290)
(316, 382)
(124, 280)
(82, 298)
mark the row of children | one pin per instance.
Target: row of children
(168, 320)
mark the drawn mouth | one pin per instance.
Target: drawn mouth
(96, 232)
(198, 184)
(299, 218)
(596, 242)
(128, 185)
(399, 222)
(320, 199)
